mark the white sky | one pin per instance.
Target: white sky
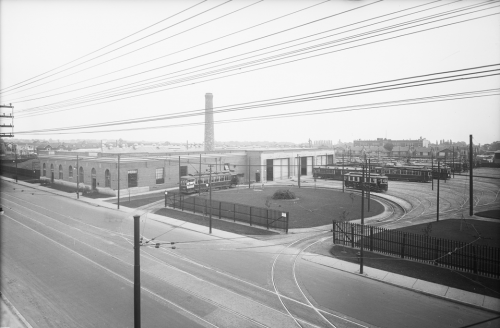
(39, 36)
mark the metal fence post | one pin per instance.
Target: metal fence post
(333, 230)
(371, 239)
(352, 235)
(220, 205)
(403, 246)
(474, 254)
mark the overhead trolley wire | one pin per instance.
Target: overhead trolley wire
(314, 21)
(217, 109)
(305, 57)
(146, 46)
(90, 53)
(413, 101)
(282, 100)
(114, 80)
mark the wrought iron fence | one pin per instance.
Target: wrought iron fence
(468, 257)
(258, 216)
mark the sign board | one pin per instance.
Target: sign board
(283, 214)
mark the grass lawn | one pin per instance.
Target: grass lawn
(457, 279)
(314, 207)
(216, 223)
(462, 230)
(492, 214)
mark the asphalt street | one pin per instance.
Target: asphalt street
(66, 263)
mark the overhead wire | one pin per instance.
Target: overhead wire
(90, 53)
(206, 42)
(310, 56)
(276, 103)
(201, 110)
(239, 44)
(301, 113)
(264, 47)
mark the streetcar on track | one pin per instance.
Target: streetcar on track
(220, 180)
(376, 182)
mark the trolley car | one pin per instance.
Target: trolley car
(375, 182)
(333, 172)
(220, 180)
(405, 173)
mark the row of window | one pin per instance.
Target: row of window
(132, 175)
(371, 180)
(204, 180)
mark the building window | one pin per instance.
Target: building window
(44, 170)
(107, 179)
(159, 176)
(81, 175)
(132, 178)
(60, 172)
(70, 173)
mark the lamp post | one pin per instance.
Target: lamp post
(166, 192)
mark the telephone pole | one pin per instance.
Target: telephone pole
(471, 194)
(137, 273)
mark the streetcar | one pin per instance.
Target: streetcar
(220, 180)
(333, 172)
(376, 182)
(405, 173)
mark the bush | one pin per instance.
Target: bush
(283, 194)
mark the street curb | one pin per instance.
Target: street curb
(15, 312)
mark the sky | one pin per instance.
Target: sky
(74, 63)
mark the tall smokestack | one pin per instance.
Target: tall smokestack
(209, 122)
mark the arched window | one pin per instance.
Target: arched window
(51, 168)
(81, 175)
(107, 179)
(70, 174)
(60, 172)
(44, 170)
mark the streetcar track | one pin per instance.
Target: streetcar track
(168, 265)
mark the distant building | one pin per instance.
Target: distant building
(421, 142)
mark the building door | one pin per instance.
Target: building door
(94, 179)
(269, 170)
(132, 178)
(257, 176)
(303, 166)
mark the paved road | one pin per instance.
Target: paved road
(69, 264)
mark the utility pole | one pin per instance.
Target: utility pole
(432, 170)
(362, 221)
(210, 200)
(199, 179)
(439, 178)
(453, 161)
(78, 181)
(137, 273)
(15, 159)
(471, 195)
(369, 183)
(342, 178)
(248, 172)
(298, 166)
(179, 174)
(118, 181)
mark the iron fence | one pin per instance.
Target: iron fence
(258, 216)
(468, 257)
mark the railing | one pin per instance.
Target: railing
(254, 216)
(468, 257)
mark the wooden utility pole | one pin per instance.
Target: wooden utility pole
(437, 202)
(471, 195)
(369, 183)
(432, 169)
(210, 200)
(78, 181)
(199, 179)
(118, 181)
(15, 159)
(298, 170)
(362, 221)
(342, 177)
(137, 273)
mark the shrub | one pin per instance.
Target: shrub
(283, 194)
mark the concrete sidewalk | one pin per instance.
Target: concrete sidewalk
(417, 285)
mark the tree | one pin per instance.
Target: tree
(494, 146)
(388, 146)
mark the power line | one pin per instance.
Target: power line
(302, 113)
(258, 49)
(226, 47)
(282, 100)
(4, 90)
(297, 59)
